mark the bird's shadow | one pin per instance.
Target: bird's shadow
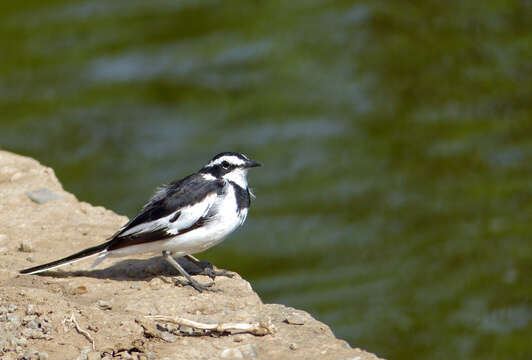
(136, 269)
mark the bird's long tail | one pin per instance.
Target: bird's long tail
(83, 254)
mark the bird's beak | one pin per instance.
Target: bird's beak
(251, 163)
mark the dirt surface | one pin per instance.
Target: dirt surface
(80, 313)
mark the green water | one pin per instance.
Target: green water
(396, 196)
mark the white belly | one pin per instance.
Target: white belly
(226, 220)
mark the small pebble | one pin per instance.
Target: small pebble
(22, 341)
(31, 310)
(248, 351)
(104, 305)
(170, 338)
(171, 328)
(42, 196)
(295, 319)
(238, 338)
(82, 289)
(156, 283)
(31, 354)
(186, 330)
(16, 176)
(25, 246)
(12, 308)
(33, 324)
(84, 354)
(292, 346)
(28, 318)
(233, 353)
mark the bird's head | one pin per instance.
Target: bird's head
(230, 166)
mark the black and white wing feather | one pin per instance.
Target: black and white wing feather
(175, 209)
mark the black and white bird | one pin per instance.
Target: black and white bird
(182, 218)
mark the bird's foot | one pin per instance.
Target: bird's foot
(210, 272)
(196, 285)
(206, 268)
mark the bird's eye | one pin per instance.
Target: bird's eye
(225, 165)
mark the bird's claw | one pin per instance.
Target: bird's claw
(196, 285)
(210, 272)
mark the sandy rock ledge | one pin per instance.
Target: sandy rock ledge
(79, 313)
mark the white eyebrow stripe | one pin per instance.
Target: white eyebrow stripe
(231, 159)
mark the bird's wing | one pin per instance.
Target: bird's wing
(175, 209)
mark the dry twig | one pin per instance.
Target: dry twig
(257, 328)
(79, 329)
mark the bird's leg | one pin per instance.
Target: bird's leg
(196, 285)
(207, 268)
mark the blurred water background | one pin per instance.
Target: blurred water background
(396, 196)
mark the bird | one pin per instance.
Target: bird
(182, 218)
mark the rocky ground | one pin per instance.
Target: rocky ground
(104, 313)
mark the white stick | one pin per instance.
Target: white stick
(80, 330)
(258, 328)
